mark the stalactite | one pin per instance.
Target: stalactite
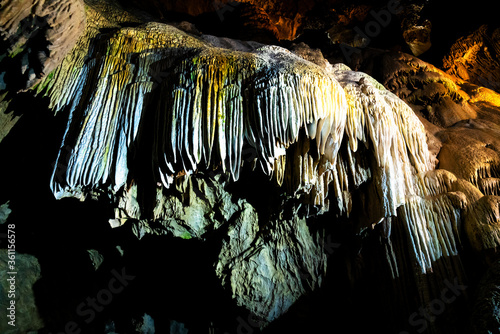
(208, 105)
(208, 102)
(155, 99)
(433, 228)
(490, 186)
(482, 224)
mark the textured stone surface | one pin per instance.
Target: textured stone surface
(439, 97)
(28, 271)
(231, 166)
(470, 151)
(416, 30)
(8, 118)
(95, 258)
(269, 270)
(316, 129)
(4, 212)
(482, 224)
(461, 119)
(474, 58)
(36, 36)
(226, 112)
(198, 206)
(146, 325)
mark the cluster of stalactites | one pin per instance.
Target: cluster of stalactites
(218, 101)
(433, 226)
(393, 136)
(394, 152)
(432, 221)
(209, 101)
(202, 104)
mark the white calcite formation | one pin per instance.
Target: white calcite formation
(322, 133)
(209, 105)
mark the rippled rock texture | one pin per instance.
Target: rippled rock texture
(36, 36)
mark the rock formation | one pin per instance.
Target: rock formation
(474, 58)
(20, 289)
(258, 175)
(416, 30)
(35, 37)
(207, 104)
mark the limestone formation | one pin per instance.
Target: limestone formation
(184, 113)
(234, 102)
(416, 30)
(482, 224)
(36, 36)
(474, 58)
(461, 119)
(4, 212)
(267, 178)
(18, 287)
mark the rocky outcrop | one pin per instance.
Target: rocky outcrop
(256, 262)
(18, 274)
(4, 212)
(481, 224)
(416, 30)
(461, 118)
(36, 36)
(461, 121)
(474, 58)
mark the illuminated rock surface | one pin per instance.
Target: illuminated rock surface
(206, 104)
(474, 58)
(34, 38)
(243, 176)
(416, 30)
(26, 316)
